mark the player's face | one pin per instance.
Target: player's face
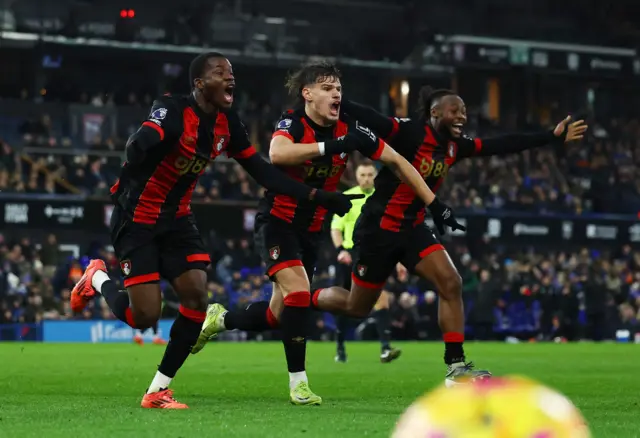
(218, 83)
(451, 114)
(365, 176)
(324, 97)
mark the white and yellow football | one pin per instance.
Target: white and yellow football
(506, 407)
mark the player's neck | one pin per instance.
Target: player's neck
(315, 118)
(366, 190)
(205, 106)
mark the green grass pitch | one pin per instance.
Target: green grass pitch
(240, 389)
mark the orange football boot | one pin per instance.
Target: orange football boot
(138, 340)
(159, 341)
(83, 291)
(161, 400)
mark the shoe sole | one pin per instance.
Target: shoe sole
(450, 383)
(392, 356)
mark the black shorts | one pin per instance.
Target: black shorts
(147, 253)
(281, 246)
(377, 251)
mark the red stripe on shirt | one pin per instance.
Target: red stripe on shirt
(166, 175)
(331, 182)
(157, 128)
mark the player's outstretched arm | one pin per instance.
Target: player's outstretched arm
(565, 132)
(283, 151)
(272, 178)
(384, 127)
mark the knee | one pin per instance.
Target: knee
(450, 286)
(196, 299)
(145, 317)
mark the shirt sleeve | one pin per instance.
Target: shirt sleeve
(373, 146)
(504, 144)
(240, 146)
(289, 126)
(164, 120)
(337, 223)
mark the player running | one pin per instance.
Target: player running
(152, 228)
(307, 144)
(392, 220)
(342, 237)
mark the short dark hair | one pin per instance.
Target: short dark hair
(310, 73)
(428, 96)
(197, 66)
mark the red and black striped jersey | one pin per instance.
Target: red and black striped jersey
(393, 204)
(185, 139)
(321, 173)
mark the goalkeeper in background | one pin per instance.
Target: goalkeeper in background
(342, 237)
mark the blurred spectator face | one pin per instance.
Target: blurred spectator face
(430, 296)
(51, 239)
(244, 244)
(365, 174)
(406, 300)
(484, 275)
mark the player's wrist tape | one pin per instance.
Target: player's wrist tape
(321, 149)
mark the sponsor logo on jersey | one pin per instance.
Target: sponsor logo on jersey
(125, 266)
(274, 253)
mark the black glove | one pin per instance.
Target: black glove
(443, 215)
(339, 145)
(335, 202)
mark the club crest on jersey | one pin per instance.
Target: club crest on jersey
(274, 253)
(125, 267)
(220, 144)
(361, 270)
(159, 114)
(284, 124)
(452, 149)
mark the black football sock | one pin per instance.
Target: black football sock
(184, 334)
(383, 324)
(342, 324)
(256, 317)
(154, 329)
(453, 351)
(118, 302)
(294, 323)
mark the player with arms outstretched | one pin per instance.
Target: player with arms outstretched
(392, 220)
(342, 237)
(152, 228)
(312, 144)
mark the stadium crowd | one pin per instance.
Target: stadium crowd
(567, 295)
(572, 180)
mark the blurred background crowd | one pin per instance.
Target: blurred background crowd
(67, 109)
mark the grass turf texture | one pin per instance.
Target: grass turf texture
(240, 389)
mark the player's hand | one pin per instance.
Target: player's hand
(336, 202)
(443, 215)
(571, 131)
(344, 257)
(402, 271)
